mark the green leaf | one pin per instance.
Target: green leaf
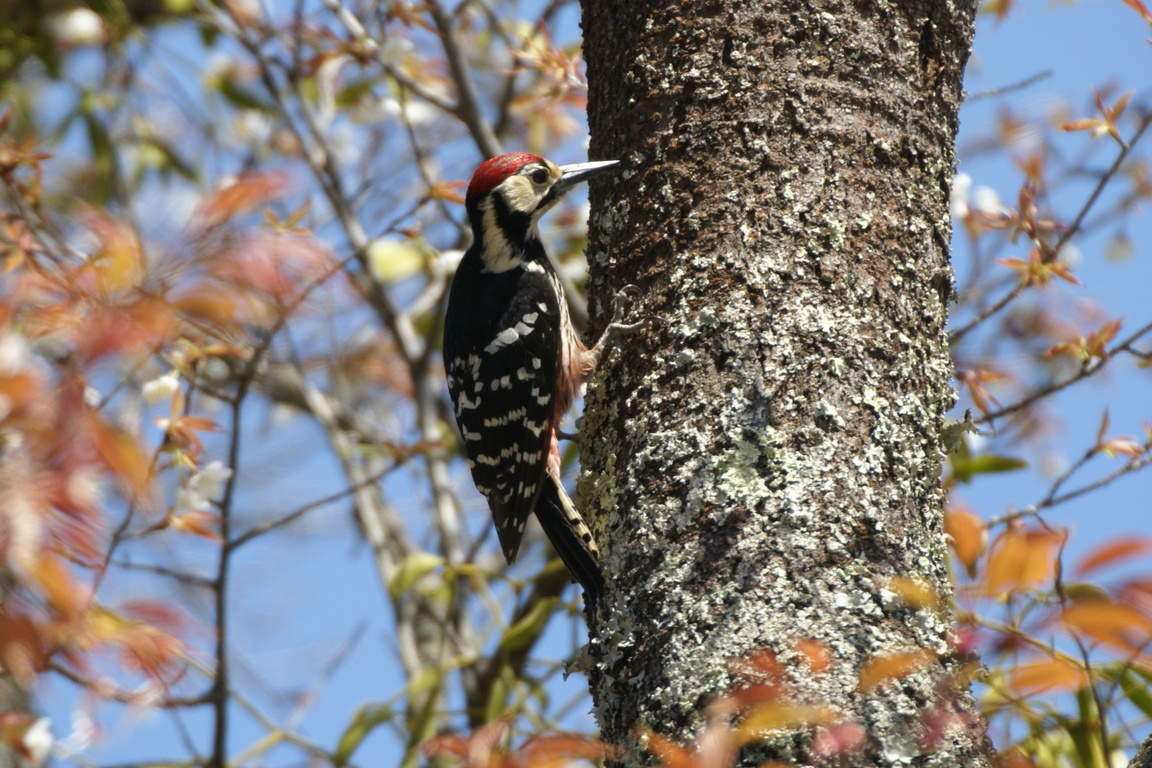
(103, 160)
(393, 260)
(422, 710)
(498, 694)
(1134, 683)
(523, 632)
(1084, 591)
(1084, 734)
(424, 683)
(351, 95)
(411, 569)
(366, 720)
(240, 97)
(964, 468)
(175, 162)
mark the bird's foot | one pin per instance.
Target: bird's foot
(617, 328)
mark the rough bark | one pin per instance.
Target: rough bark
(764, 462)
(1143, 758)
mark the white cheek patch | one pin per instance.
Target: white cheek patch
(521, 194)
(497, 251)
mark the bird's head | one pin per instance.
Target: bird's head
(508, 195)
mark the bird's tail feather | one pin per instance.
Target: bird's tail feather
(571, 538)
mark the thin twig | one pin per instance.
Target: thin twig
(1101, 712)
(960, 333)
(180, 576)
(1074, 227)
(1050, 501)
(356, 29)
(1025, 83)
(468, 105)
(1048, 255)
(279, 522)
(220, 687)
(130, 697)
(1084, 373)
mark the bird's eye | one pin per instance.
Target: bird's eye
(539, 176)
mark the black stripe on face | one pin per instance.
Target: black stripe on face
(514, 224)
(551, 198)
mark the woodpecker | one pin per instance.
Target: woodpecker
(513, 359)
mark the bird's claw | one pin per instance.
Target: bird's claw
(620, 301)
(617, 327)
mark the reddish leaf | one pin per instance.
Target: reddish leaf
(914, 593)
(816, 655)
(1048, 675)
(163, 616)
(216, 306)
(761, 720)
(838, 741)
(880, 669)
(121, 454)
(974, 380)
(197, 523)
(246, 194)
(24, 647)
(151, 653)
(1037, 271)
(1013, 758)
(448, 191)
(1140, 8)
(557, 749)
(1021, 560)
(969, 537)
(119, 260)
(668, 752)
(478, 748)
(1116, 625)
(764, 676)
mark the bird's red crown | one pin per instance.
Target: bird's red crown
(491, 172)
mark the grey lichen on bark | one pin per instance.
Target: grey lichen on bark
(764, 462)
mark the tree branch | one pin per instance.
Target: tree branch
(468, 105)
(1084, 373)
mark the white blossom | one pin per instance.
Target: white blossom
(1070, 255)
(14, 353)
(161, 388)
(204, 486)
(420, 113)
(371, 110)
(251, 127)
(210, 480)
(958, 201)
(188, 500)
(38, 741)
(79, 26)
(82, 735)
(985, 199)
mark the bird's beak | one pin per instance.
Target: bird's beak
(574, 174)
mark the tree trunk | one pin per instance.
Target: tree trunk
(766, 461)
(1143, 758)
